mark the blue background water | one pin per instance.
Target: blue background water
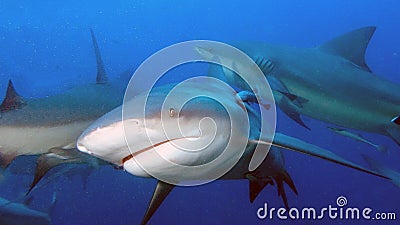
(46, 49)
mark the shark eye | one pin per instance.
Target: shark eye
(171, 112)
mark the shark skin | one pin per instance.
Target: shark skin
(333, 78)
(105, 139)
(35, 126)
(14, 213)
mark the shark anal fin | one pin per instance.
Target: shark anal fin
(12, 100)
(351, 46)
(160, 193)
(256, 185)
(101, 77)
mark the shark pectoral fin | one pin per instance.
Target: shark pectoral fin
(351, 46)
(297, 100)
(12, 100)
(160, 193)
(292, 113)
(44, 164)
(394, 133)
(379, 167)
(256, 185)
(6, 159)
(294, 144)
(55, 157)
(101, 77)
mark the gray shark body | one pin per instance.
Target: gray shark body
(105, 139)
(332, 80)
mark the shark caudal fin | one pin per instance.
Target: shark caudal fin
(101, 72)
(160, 193)
(351, 46)
(379, 167)
(12, 100)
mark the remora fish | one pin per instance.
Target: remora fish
(105, 139)
(333, 81)
(13, 213)
(358, 137)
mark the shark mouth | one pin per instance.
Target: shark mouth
(156, 146)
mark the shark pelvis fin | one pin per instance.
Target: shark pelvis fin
(351, 46)
(256, 185)
(160, 193)
(12, 100)
(280, 179)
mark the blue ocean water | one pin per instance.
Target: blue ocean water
(46, 49)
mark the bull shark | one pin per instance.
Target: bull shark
(330, 82)
(50, 126)
(105, 139)
(15, 213)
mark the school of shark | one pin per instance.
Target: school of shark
(86, 125)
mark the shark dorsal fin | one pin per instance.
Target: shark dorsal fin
(351, 45)
(12, 100)
(101, 77)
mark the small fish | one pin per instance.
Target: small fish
(359, 138)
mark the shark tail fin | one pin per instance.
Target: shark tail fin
(160, 193)
(13, 100)
(351, 46)
(379, 167)
(101, 77)
(280, 179)
(256, 185)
